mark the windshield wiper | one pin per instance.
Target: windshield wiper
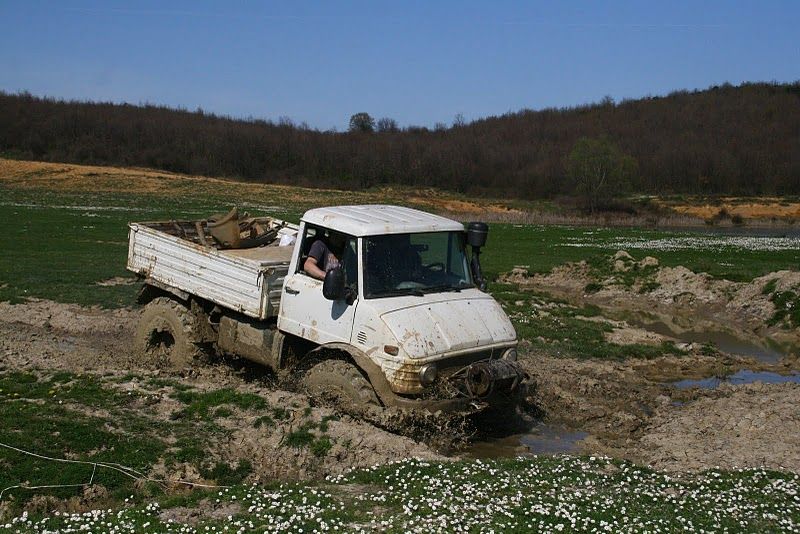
(395, 292)
(445, 288)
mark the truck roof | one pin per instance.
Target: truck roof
(378, 219)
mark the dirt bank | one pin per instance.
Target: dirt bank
(632, 410)
(750, 425)
(613, 400)
(761, 311)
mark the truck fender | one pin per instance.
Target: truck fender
(153, 288)
(373, 371)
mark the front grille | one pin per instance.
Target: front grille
(451, 365)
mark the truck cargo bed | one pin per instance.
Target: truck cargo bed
(247, 280)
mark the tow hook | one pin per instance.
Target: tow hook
(483, 378)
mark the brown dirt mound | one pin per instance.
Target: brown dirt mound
(767, 208)
(680, 298)
(755, 425)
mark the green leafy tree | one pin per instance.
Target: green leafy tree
(600, 171)
(362, 122)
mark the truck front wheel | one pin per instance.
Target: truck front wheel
(167, 334)
(341, 382)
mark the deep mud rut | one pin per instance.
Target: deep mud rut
(628, 409)
(46, 336)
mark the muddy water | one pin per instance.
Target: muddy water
(745, 376)
(541, 439)
(724, 341)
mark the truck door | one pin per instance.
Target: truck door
(304, 312)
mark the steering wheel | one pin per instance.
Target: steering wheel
(437, 267)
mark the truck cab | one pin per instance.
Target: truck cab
(410, 306)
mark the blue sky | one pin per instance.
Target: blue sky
(418, 62)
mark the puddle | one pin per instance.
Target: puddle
(541, 439)
(745, 376)
(724, 341)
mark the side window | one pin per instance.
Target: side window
(308, 239)
(349, 257)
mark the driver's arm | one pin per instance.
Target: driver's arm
(315, 256)
(310, 267)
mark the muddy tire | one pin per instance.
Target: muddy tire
(168, 334)
(341, 383)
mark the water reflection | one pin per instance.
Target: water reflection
(745, 376)
(541, 439)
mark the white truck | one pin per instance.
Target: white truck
(402, 322)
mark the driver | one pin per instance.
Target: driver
(402, 262)
(407, 263)
(324, 256)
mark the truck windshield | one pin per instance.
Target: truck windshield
(415, 264)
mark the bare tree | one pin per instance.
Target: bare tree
(600, 170)
(387, 124)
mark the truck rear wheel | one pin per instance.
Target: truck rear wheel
(168, 334)
(341, 382)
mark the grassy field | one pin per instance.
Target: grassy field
(86, 416)
(65, 234)
(59, 245)
(721, 254)
(552, 494)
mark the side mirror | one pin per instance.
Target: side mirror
(333, 288)
(477, 232)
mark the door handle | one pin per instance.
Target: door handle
(291, 291)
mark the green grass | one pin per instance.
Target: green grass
(540, 494)
(89, 418)
(311, 435)
(541, 248)
(51, 416)
(60, 245)
(769, 287)
(200, 404)
(787, 309)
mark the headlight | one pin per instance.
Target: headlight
(510, 355)
(427, 374)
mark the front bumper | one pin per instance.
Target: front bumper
(471, 389)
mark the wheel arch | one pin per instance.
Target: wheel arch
(152, 289)
(372, 370)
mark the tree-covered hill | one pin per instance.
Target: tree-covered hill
(723, 140)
